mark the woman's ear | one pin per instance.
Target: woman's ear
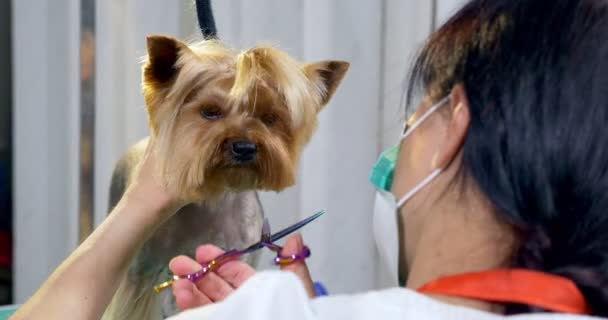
(458, 125)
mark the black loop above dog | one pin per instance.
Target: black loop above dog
(206, 22)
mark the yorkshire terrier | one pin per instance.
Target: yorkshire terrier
(223, 125)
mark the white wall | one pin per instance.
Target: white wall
(446, 8)
(45, 137)
(378, 37)
(122, 27)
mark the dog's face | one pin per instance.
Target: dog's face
(226, 121)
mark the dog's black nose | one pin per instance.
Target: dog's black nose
(244, 151)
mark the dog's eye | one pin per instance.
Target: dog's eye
(269, 119)
(211, 113)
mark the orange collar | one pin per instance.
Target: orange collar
(520, 286)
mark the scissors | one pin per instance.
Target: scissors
(266, 241)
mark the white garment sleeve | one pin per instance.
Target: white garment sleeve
(267, 295)
(277, 295)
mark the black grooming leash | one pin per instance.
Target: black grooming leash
(206, 22)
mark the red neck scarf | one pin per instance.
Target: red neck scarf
(518, 286)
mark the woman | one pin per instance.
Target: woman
(499, 185)
(504, 166)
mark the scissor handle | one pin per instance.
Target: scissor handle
(266, 241)
(207, 267)
(287, 260)
(212, 265)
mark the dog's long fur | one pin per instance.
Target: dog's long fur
(202, 99)
(234, 221)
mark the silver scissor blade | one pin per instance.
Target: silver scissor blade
(284, 232)
(296, 226)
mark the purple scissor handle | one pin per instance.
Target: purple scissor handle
(266, 241)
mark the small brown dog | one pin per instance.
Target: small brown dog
(223, 124)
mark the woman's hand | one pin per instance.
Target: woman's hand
(218, 285)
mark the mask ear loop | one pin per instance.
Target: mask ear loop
(417, 188)
(427, 114)
(436, 172)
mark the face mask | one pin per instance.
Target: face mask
(386, 207)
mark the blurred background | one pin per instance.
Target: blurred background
(70, 104)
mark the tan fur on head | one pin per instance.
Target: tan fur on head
(204, 97)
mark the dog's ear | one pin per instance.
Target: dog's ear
(163, 53)
(327, 75)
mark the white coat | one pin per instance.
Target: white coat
(276, 295)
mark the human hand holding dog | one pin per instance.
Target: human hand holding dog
(147, 187)
(218, 285)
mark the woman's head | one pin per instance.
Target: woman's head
(525, 127)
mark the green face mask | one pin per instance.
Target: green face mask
(386, 233)
(384, 169)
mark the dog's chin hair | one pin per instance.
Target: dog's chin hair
(218, 182)
(277, 165)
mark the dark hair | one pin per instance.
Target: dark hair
(536, 76)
